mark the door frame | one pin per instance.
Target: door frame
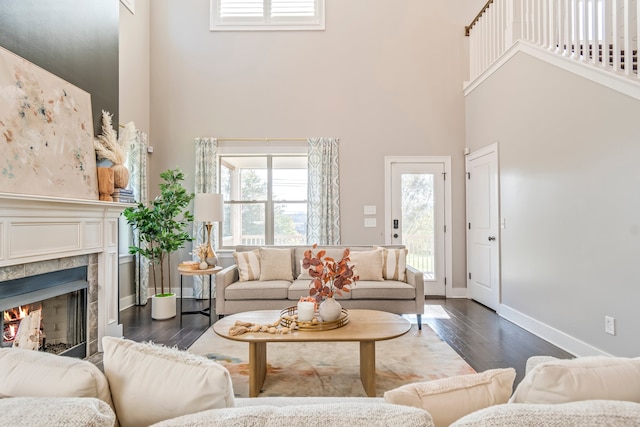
(448, 235)
(486, 150)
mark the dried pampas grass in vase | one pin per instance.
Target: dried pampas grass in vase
(110, 147)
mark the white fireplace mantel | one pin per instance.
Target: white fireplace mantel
(40, 228)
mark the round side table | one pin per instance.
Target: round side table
(190, 272)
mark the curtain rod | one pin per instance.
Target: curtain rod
(263, 139)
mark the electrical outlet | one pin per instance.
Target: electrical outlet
(610, 325)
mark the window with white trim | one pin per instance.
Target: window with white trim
(265, 196)
(239, 15)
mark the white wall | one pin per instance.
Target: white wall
(133, 55)
(385, 77)
(570, 186)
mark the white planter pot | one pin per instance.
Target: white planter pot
(163, 307)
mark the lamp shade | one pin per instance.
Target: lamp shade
(208, 207)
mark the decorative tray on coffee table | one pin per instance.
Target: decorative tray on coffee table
(290, 315)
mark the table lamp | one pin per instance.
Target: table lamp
(208, 208)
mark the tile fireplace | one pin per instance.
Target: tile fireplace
(55, 308)
(60, 256)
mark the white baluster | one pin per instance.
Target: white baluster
(628, 50)
(606, 33)
(637, 16)
(575, 38)
(615, 31)
(595, 39)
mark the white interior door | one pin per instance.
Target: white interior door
(483, 237)
(417, 218)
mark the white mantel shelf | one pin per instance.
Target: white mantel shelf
(40, 228)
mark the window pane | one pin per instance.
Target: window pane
(241, 8)
(290, 223)
(246, 178)
(418, 221)
(293, 8)
(244, 224)
(290, 178)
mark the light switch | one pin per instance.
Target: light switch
(370, 210)
(369, 222)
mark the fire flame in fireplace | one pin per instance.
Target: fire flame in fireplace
(12, 320)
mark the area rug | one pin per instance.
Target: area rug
(333, 369)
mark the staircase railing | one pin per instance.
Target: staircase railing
(602, 33)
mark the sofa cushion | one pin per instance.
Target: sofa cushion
(300, 288)
(583, 378)
(151, 383)
(56, 412)
(448, 399)
(255, 289)
(248, 264)
(394, 264)
(367, 264)
(587, 413)
(387, 289)
(309, 415)
(38, 374)
(304, 272)
(275, 264)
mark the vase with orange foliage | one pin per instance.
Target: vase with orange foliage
(329, 277)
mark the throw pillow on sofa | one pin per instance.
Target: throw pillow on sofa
(394, 263)
(39, 374)
(248, 265)
(583, 378)
(152, 383)
(275, 264)
(448, 399)
(368, 264)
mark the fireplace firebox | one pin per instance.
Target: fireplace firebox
(49, 310)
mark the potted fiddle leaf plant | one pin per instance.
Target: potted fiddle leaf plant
(161, 231)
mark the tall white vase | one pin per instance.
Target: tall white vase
(329, 309)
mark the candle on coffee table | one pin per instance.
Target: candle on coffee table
(306, 310)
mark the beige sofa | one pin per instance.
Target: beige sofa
(275, 287)
(145, 384)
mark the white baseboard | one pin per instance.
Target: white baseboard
(457, 293)
(128, 301)
(548, 333)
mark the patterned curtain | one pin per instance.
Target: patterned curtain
(137, 163)
(206, 182)
(323, 210)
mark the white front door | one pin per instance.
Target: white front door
(416, 218)
(483, 237)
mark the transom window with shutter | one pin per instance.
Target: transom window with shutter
(230, 15)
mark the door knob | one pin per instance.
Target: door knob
(395, 235)
(492, 238)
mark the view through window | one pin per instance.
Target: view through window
(265, 199)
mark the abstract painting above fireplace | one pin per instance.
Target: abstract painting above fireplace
(46, 128)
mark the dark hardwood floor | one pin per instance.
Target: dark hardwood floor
(477, 334)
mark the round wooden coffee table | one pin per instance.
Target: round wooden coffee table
(365, 327)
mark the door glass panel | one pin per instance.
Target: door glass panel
(418, 219)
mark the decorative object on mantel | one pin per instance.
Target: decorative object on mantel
(105, 184)
(328, 278)
(161, 229)
(209, 208)
(109, 146)
(46, 130)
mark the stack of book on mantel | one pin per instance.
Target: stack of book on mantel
(123, 195)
